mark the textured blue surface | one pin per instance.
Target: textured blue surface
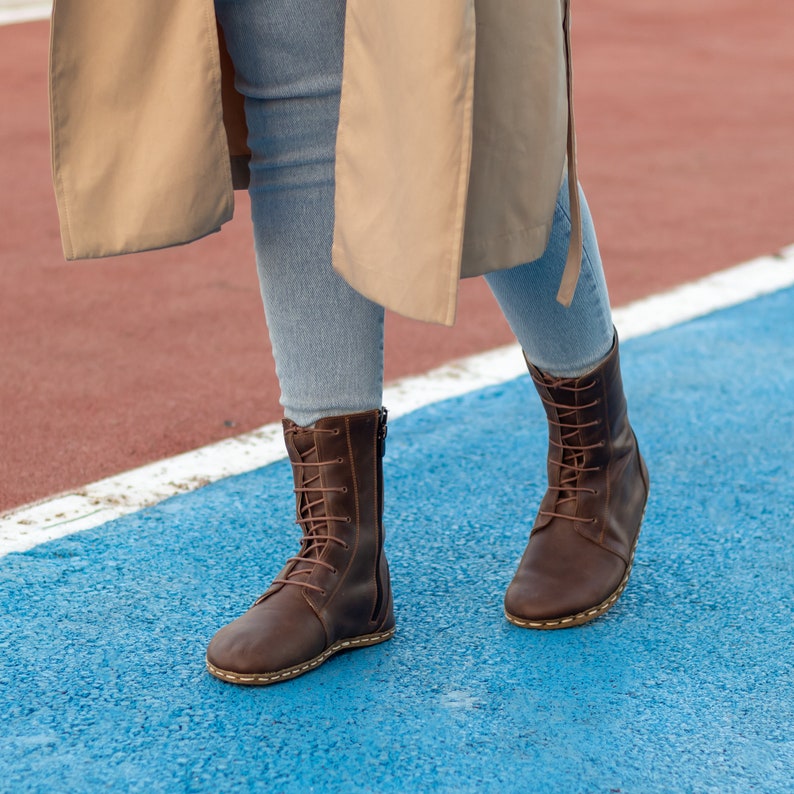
(686, 685)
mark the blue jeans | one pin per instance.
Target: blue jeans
(327, 339)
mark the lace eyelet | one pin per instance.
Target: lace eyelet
(340, 460)
(348, 519)
(344, 489)
(336, 431)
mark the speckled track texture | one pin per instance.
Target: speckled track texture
(685, 685)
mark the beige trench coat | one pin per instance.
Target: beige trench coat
(448, 165)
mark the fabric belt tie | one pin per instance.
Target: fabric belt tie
(573, 263)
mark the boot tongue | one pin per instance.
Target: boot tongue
(310, 502)
(571, 438)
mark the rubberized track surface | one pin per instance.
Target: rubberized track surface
(686, 685)
(685, 113)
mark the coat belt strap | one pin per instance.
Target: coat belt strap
(573, 263)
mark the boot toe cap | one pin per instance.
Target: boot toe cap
(539, 604)
(258, 643)
(553, 592)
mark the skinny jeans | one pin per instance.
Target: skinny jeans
(327, 340)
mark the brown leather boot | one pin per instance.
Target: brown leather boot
(582, 545)
(335, 593)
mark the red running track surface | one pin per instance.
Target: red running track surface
(685, 117)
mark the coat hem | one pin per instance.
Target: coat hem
(506, 251)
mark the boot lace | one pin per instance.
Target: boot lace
(315, 524)
(573, 454)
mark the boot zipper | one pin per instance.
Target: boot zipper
(382, 430)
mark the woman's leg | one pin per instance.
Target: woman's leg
(327, 340)
(560, 341)
(581, 548)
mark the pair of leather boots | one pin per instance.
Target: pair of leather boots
(335, 594)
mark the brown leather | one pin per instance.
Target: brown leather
(582, 545)
(335, 593)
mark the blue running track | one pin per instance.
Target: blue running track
(685, 686)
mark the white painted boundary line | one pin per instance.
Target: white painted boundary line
(11, 13)
(134, 490)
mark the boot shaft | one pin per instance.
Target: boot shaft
(337, 469)
(338, 476)
(593, 459)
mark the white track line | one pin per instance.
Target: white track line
(125, 493)
(20, 11)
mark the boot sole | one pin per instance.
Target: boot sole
(589, 614)
(262, 679)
